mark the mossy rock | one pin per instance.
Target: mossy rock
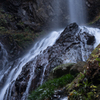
(60, 70)
(63, 69)
(93, 64)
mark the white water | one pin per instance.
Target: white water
(77, 11)
(73, 55)
(38, 48)
(65, 98)
(93, 31)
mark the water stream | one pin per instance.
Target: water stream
(15, 70)
(77, 11)
(10, 71)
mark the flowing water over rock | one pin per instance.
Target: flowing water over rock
(27, 73)
(10, 74)
(19, 77)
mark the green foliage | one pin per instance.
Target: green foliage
(84, 91)
(98, 59)
(47, 89)
(23, 39)
(3, 29)
(81, 76)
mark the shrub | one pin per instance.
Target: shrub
(47, 89)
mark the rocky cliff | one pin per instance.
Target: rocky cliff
(39, 14)
(36, 13)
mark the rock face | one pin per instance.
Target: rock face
(39, 14)
(11, 46)
(36, 13)
(35, 72)
(93, 7)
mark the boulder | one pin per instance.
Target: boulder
(72, 68)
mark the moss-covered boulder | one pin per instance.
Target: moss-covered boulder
(64, 69)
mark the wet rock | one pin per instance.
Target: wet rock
(58, 94)
(60, 70)
(67, 49)
(91, 40)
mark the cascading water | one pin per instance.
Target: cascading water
(77, 12)
(9, 74)
(14, 70)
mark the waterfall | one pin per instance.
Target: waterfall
(77, 11)
(9, 72)
(15, 69)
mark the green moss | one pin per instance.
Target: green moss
(63, 66)
(75, 82)
(3, 29)
(47, 89)
(20, 23)
(86, 85)
(84, 91)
